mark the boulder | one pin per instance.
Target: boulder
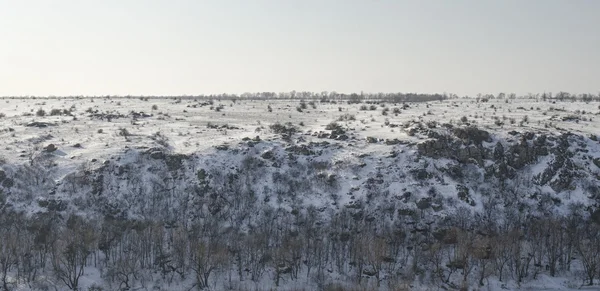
(50, 148)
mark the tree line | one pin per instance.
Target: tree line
(464, 249)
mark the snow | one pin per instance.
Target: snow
(87, 142)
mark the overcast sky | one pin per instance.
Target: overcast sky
(176, 47)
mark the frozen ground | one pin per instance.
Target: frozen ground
(184, 121)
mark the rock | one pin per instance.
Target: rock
(596, 216)
(354, 205)
(157, 155)
(463, 194)
(39, 124)
(392, 141)
(472, 134)
(424, 203)
(371, 139)
(175, 162)
(420, 174)
(222, 147)
(370, 272)
(55, 205)
(498, 151)
(406, 212)
(529, 135)
(300, 150)
(8, 182)
(267, 155)
(50, 148)
(455, 172)
(358, 215)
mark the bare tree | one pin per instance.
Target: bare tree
(207, 257)
(71, 250)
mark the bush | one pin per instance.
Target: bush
(464, 119)
(279, 128)
(2, 115)
(124, 132)
(40, 112)
(55, 112)
(364, 108)
(347, 117)
(333, 126)
(154, 107)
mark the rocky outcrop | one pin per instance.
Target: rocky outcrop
(506, 158)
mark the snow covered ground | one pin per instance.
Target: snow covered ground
(184, 121)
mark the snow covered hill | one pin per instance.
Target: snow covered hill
(174, 194)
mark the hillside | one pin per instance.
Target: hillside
(176, 194)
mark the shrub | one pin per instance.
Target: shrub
(124, 132)
(154, 107)
(347, 117)
(464, 119)
(2, 115)
(40, 112)
(333, 126)
(279, 128)
(55, 112)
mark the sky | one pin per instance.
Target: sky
(191, 47)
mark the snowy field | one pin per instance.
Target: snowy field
(184, 121)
